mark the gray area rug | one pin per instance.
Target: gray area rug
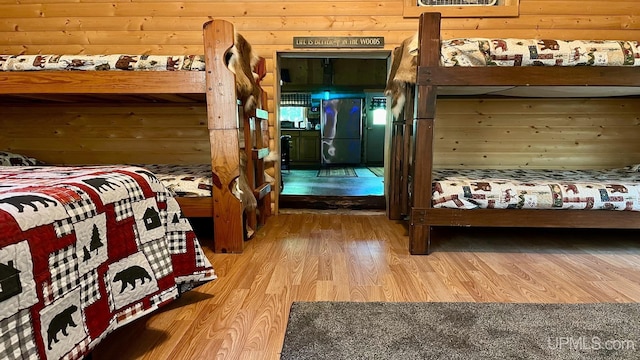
(377, 170)
(375, 330)
(337, 172)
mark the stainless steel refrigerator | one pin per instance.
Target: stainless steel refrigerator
(341, 131)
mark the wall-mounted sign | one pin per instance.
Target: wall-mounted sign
(338, 42)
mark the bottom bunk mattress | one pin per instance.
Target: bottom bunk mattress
(612, 189)
(85, 250)
(184, 180)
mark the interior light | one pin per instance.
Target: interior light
(379, 116)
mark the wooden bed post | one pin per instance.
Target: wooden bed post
(222, 115)
(407, 126)
(394, 210)
(398, 201)
(419, 232)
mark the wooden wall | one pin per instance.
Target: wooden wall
(97, 134)
(175, 27)
(537, 133)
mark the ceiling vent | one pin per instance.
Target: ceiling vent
(457, 2)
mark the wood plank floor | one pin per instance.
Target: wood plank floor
(311, 256)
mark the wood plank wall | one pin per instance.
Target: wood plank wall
(174, 27)
(537, 133)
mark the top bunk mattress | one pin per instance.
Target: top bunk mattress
(117, 62)
(538, 52)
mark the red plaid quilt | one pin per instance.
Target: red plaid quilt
(84, 251)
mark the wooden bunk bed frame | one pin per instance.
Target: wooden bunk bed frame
(413, 143)
(217, 83)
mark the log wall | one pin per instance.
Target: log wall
(175, 27)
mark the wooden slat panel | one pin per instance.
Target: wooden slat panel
(79, 157)
(194, 23)
(324, 23)
(540, 133)
(176, 37)
(573, 8)
(584, 33)
(593, 147)
(192, 8)
(283, 38)
(538, 107)
(154, 133)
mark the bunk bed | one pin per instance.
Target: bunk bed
(236, 121)
(417, 187)
(84, 251)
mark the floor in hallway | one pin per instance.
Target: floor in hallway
(307, 182)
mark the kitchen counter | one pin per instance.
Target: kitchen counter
(304, 147)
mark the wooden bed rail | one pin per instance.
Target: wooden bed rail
(101, 82)
(530, 76)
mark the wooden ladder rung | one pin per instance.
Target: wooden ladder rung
(262, 190)
(262, 114)
(260, 153)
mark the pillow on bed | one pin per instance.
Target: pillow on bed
(11, 159)
(632, 168)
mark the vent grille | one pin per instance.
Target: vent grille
(457, 2)
(295, 99)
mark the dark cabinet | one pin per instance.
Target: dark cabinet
(304, 147)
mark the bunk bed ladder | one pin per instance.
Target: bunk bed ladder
(256, 128)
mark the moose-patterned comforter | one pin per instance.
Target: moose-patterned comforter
(84, 251)
(117, 62)
(613, 189)
(184, 180)
(534, 52)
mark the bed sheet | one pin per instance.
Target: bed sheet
(184, 180)
(116, 62)
(612, 189)
(539, 52)
(84, 251)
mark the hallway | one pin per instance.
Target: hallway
(344, 187)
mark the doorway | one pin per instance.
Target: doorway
(331, 120)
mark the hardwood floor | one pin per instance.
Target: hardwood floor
(363, 256)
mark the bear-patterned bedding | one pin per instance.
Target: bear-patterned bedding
(184, 180)
(535, 52)
(117, 62)
(610, 189)
(85, 250)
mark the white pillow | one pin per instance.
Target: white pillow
(11, 159)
